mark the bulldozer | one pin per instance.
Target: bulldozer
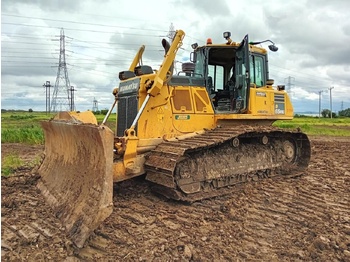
(194, 134)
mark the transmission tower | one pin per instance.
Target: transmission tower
(61, 100)
(319, 102)
(289, 85)
(71, 99)
(94, 105)
(171, 33)
(47, 87)
(330, 99)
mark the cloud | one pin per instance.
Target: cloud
(206, 8)
(66, 5)
(102, 38)
(302, 94)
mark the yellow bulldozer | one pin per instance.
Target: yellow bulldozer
(194, 134)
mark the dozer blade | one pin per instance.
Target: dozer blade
(76, 175)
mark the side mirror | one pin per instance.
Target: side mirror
(273, 48)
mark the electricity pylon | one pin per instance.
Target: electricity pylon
(61, 100)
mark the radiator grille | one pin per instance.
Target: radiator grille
(279, 98)
(279, 104)
(127, 111)
(185, 80)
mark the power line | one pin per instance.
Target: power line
(11, 34)
(78, 29)
(26, 66)
(110, 43)
(79, 68)
(41, 57)
(27, 62)
(53, 58)
(95, 24)
(24, 52)
(20, 36)
(29, 43)
(295, 71)
(84, 23)
(306, 76)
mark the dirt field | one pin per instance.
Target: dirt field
(295, 219)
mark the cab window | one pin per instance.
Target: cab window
(257, 71)
(216, 72)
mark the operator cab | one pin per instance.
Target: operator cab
(229, 70)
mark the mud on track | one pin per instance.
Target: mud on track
(300, 219)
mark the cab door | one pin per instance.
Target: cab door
(242, 76)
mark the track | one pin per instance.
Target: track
(305, 218)
(204, 166)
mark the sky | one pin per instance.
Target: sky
(102, 37)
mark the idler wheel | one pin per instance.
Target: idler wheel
(289, 151)
(235, 142)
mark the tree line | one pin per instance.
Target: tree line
(345, 112)
(327, 113)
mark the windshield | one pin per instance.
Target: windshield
(199, 70)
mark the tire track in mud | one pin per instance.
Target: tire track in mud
(29, 230)
(312, 210)
(304, 218)
(294, 219)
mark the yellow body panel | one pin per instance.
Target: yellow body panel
(180, 109)
(176, 110)
(266, 102)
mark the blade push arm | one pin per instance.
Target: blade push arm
(157, 83)
(154, 88)
(169, 58)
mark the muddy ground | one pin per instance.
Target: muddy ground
(294, 219)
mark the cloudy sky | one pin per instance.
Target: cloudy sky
(102, 36)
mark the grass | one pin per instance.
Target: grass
(27, 135)
(24, 127)
(318, 126)
(10, 163)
